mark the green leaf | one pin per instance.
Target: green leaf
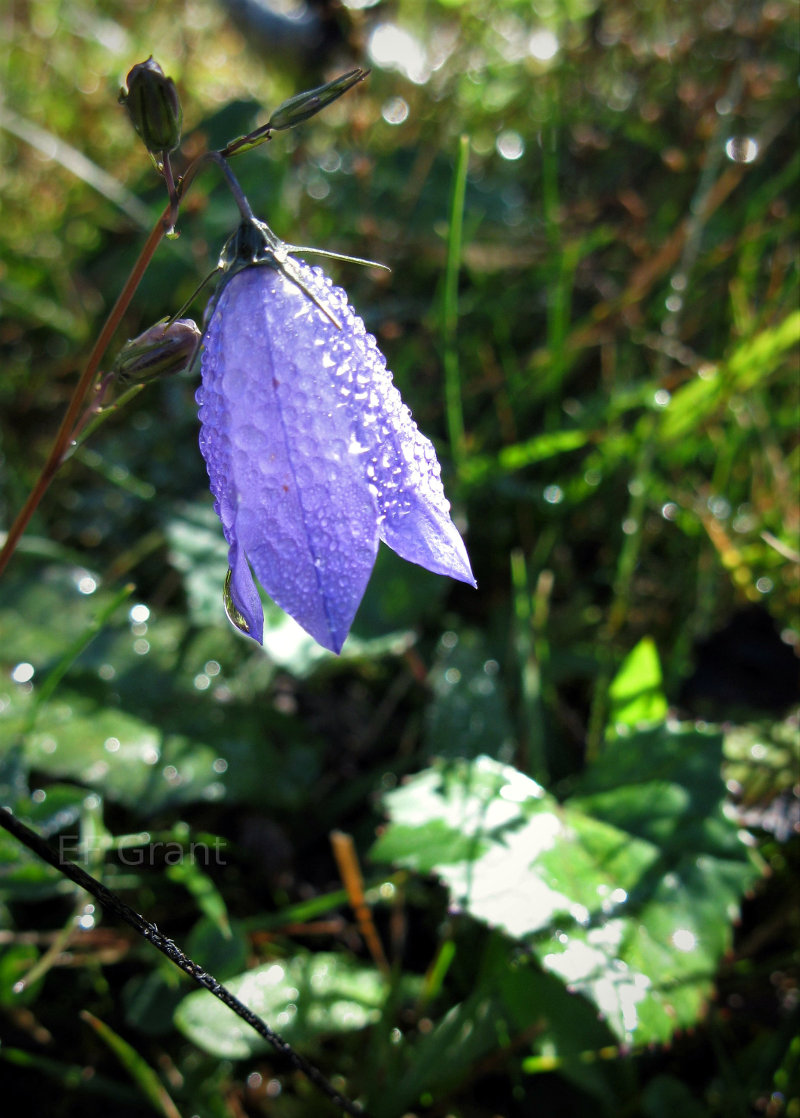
(664, 785)
(194, 756)
(300, 998)
(752, 362)
(197, 549)
(222, 954)
(512, 458)
(468, 715)
(636, 692)
(488, 831)
(138, 717)
(24, 876)
(627, 893)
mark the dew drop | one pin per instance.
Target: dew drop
(510, 145)
(234, 616)
(395, 111)
(741, 149)
(553, 494)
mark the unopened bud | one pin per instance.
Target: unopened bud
(153, 106)
(161, 351)
(308, 104)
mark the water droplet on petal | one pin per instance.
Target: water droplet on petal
(234, 616)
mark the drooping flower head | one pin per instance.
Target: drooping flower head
(312, 455)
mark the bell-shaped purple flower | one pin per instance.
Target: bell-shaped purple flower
(312, 455)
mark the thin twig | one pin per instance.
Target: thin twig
(69, 424)
(65, 432)
(166, 946)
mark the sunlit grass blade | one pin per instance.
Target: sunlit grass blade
(452, 375)
(138, 1068)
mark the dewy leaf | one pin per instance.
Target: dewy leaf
(468, 714)
(486, 830)
(24, 876)
(627, 893)
(300, 998)
(311, 453)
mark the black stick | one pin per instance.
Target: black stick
(166, 946)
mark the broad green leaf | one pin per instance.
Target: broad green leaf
(150, 716)
(222, 954)
(134, 763)
(627, 893)
(509, 854)
(468, 714)
(665, 785)
(41, 594)
(197, 549)
(301, 998)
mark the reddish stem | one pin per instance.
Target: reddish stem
(66, 430)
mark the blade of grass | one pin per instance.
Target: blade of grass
(77, 164)
(137, 1068)
(69, 1077)
(452, 374)
(530, 614)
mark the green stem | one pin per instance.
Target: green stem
(452, 375)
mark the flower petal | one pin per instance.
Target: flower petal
(277, 442)
(400, 463)
(244, 594)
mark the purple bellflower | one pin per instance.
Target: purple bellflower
(311, 453)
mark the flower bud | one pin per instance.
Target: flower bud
(163, 350)
(308, 104)
(153, 106)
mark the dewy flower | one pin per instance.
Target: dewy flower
(311, 453)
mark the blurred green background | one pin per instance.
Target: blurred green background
(573, 793)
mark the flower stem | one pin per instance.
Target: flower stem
(233, 183)
(71, 422)
(66, 430)
(452, 375)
